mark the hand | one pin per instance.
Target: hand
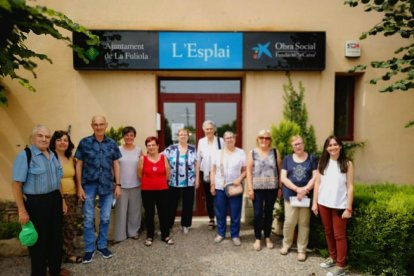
(279, 193)
(213, 189)
(23, 217)
(81, 194)
(346, 214)
(64, 206)
(118, 191)
(251, 194)
(301, 193)
(315, 209)
(197, 184)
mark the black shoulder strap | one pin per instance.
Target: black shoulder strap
(28, 155)
(218, 141)
(277, 166)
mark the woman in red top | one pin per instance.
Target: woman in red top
(153, 171)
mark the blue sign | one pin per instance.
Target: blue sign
(200, 50)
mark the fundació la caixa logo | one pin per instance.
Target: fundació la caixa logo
(91, 53)
(261, 49)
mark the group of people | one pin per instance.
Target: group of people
(49, 185)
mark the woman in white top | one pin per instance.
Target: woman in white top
(332, 199)
(228, 166)
(128, 205)
(206, 148)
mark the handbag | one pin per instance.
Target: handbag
(229, 188)
(233, 190)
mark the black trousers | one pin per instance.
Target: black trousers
(45, 211)
(158, 198)
(209, 197)
(187, 206)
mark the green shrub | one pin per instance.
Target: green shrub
(380, 234)
(9, 230)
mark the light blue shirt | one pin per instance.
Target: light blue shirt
(42, 176)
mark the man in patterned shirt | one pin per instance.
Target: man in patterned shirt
(97, 167)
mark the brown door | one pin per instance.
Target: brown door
(188, 103)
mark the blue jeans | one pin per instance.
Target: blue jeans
(221, 204)
(105, 204)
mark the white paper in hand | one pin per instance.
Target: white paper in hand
(295, 202)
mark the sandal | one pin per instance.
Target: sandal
(148, 242)
(74, 259)
(168, 240)
(211, 224)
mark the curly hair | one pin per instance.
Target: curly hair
(57, 135)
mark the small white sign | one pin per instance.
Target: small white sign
(352, 48)
(175, 127)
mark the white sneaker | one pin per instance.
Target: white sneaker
(218, 239)
(338, 271)
(329, 262)
(236, 241)
(186, 230)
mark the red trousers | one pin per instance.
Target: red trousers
(335, 234)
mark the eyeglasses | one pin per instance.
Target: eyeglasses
(297, 144)
(265, 138)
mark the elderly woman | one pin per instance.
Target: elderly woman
(128, 205)
(62, 146)
(263, 165)
(153, 171)
(298, 177)
(207, 147)
(332, 199)
(228, 168)
(182, 158)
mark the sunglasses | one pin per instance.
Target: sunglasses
(265, 138)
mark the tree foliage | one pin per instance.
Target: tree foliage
(397, 20)
(295, 110)
(17, 21)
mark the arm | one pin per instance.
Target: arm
(249, 176)
(64, 205)
(140, 167)
(239, 180)
(167, 168)
(197, 180)
(18, 196)
(315, 193)
(213, 180)
(350, 190)
(300, 191)
(117, 174)
(80, 192)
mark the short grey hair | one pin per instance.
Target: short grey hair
(209, 122)
(37, 127)
(228, 132)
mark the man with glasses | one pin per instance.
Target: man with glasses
(36, 188)
(97, 167)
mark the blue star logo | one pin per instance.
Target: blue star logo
(261, 49)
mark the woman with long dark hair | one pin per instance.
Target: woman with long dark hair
(332, 199)
(62, 146)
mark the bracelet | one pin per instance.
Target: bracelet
(118, 184)
(349, 210)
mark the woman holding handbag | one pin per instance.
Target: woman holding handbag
(227, 173)
(263, 165)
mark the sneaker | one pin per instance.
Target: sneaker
(236, 241)
(88, 257)
(284, 250)
(105, 253)
(257, 245)
(186, 229)
(329, 262)
(338, 271)
(301, 256)
(218, 239)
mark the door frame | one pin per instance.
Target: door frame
(199, 100)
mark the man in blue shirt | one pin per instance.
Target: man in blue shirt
(97, 167)
(36, 188)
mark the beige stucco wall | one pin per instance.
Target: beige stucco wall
(67, 97)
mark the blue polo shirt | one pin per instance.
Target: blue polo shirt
(42, 176)
(98, 158)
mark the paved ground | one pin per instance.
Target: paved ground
(193, 254)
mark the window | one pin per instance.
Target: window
(344, 107)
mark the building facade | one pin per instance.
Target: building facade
(159, 100)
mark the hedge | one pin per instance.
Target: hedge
(381, 232)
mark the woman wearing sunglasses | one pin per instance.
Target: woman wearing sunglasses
(263, 165)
